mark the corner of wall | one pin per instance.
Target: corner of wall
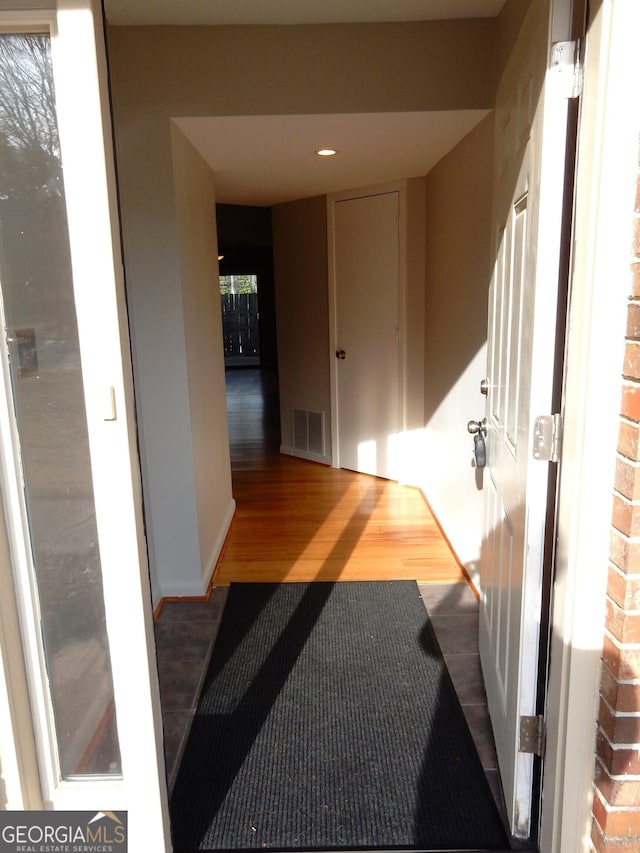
(455, 331)
(209, 565)
(302, 311)
(206, 391)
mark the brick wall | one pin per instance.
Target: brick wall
(616, 805)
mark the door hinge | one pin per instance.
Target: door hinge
(533, 732)
(547, 434)
(567, 66)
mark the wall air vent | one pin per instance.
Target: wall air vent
(308, 431)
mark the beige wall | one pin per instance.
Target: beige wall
(195, 209)
(271, 70)
(509, 23)
(152, 272)
(458, 216)
(414, 257)
(302, 311)
(158, 73)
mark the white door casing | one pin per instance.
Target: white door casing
(530, 142)
(366, 333)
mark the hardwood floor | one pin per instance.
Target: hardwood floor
(300, 521)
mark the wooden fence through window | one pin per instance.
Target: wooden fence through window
(240, 325)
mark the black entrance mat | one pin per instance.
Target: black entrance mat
(328, 720)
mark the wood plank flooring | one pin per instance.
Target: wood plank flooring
(300, 521)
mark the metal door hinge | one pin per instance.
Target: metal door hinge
(567, 66)
(547, 433)
(532, 735)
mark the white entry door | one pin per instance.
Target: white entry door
(366, 253)
(530, 143)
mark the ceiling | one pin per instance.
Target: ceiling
(265, 160)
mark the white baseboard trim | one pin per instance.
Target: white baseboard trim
(193, 588)
(304, 454)
(156, 593)
(212, 562)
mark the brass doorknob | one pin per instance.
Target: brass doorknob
(475, 427)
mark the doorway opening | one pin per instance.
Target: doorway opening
(300, 522)
(240, 320)
(247, 293)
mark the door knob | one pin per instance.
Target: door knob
(477, 427)
(341, 354)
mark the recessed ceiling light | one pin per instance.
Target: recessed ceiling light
(326, 152)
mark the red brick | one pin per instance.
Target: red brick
(613, 618)
(630, 626)
(623, 823)
(623, 661)
(617, 585)
(617, 762)
(629, 440)
(599, 810)
(627, 479)
(624, 552)
(616, 822)
(635, 280)
(631, 365)
(618, 693)
(630, 403)
(621, 515)
(618, 551)
(622, 589)
(624, 626)
(617, 792)
(635, 243)
(626, 516)
(633, 321)
(602, 844)
(618, 729)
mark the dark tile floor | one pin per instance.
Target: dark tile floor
(454, 613)
(186, 632)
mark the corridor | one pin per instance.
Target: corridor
(299, 521)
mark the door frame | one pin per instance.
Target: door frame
(605, 189)
(81, 79)
(363, 192)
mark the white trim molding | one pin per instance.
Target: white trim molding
(607, 164)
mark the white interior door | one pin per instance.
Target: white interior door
(366, 253)
(530, 143)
